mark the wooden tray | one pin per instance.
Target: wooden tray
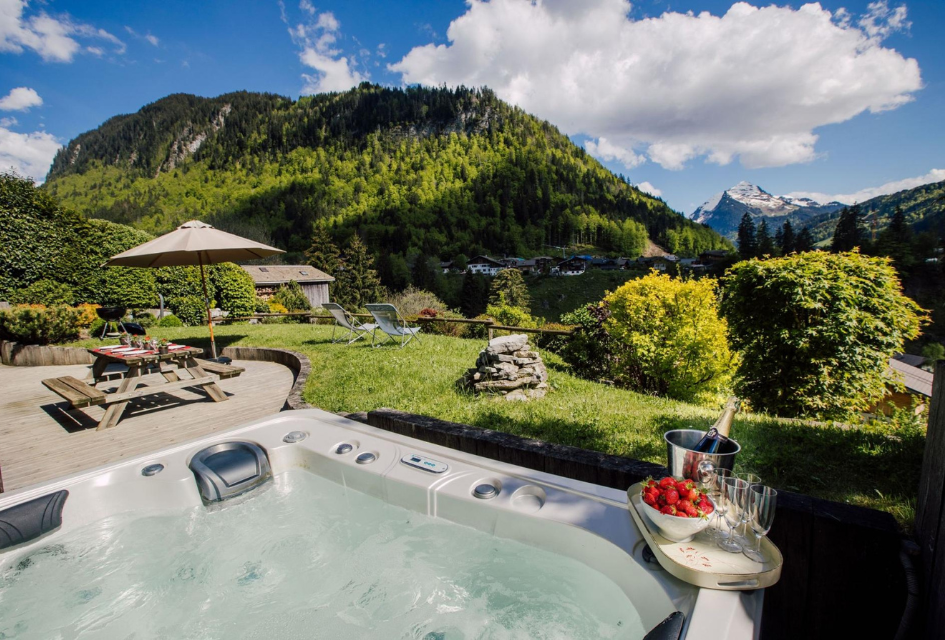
(701, 562)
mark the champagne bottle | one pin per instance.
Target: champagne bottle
(718, 434)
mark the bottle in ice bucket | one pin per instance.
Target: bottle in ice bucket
(713, 440)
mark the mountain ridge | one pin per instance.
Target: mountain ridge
(433, 171)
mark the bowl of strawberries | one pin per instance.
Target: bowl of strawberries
(677, 507)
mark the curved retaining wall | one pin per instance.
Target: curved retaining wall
(15, 354)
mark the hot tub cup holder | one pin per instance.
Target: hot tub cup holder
(529, 499)
(486, 488)
(345, 447)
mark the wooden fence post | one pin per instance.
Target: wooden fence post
(930, 511)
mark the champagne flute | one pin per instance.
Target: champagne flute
(734, 493)
(762, 503)
(752, 480)
(715, 493)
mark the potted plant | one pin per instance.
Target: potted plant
(162, 346)
(124, 338)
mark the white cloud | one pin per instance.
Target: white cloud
(646, 187)
(753, 84)
(607, 151)
(316, 38)
(151, 39)
(52, 37)
(29, 154)
(935, 175)
(20, 99)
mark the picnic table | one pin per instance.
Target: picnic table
(140, 362)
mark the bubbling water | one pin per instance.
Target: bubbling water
(304, 558)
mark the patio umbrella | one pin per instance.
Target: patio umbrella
(193, 243)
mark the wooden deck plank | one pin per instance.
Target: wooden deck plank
(42, 438)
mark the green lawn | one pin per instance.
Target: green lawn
(847, 465)
(554, 295)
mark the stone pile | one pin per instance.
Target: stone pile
(508, 367)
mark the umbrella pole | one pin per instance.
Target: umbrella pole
(206, 301)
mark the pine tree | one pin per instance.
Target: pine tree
(357, 282)
(747, 244)
(849, 234)
(897, 241)
(765, 243)
(509, 286)
(424, 274)
(804, 242)
(788, 239)
(475, 295)
(323, 254)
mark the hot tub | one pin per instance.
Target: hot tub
(360, 533)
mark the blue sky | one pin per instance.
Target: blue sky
(844, 98)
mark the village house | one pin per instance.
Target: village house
(660, 263)
(573, 266)
(268, 278)
(484, 265)
(541, 264)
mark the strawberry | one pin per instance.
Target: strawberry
(705, 506)
(683, 505)
(669, 510)
(694, 495)
(692, 512)
(667, 482)
(681, 514)
(671, 495)
(684, 486)
(649, 499)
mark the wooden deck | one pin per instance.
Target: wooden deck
(42, 438)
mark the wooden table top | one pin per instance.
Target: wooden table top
(149, 355)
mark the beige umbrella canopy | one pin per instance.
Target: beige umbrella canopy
(193, 243)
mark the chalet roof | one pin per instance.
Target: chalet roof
(486, 259)
(916, 380)
(908, 358)
(280, 273)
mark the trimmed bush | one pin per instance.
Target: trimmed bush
(412, 301)
(40, 325)
(87, 315)
(189, 309)
(170, 321)
(590, 350)
(670, 337)
(145, 318)
(816, 330)
(45, 292)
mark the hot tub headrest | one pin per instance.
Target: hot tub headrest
(31, 519)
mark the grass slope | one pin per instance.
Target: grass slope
(847, 465)
(553, 295)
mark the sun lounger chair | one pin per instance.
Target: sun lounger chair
(392, 324)
(345, 320)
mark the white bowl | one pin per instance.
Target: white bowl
(675, 528)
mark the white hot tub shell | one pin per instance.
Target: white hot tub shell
(586, 522)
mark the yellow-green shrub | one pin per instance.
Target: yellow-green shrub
(670, 337)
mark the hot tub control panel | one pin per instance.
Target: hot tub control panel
(427, 464)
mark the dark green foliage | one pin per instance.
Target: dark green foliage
(425, 273)
(51, 325)
(474, 295)
(787, 240)
(460, 262)
(849, 232)
(233, 289)
(815, 331)
(357, 283)
(898, 242)
(508, 287)
(170, 321)
(291, 297)
(747, 242)
(189, 309)
(47, 292)
(393, 271)
(934, 351)
(434, 170)
(324, 255)
(804, 242)
(145, 319)
(765, 243)
(590, 351)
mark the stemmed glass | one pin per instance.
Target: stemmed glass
(733, 498)
(717, 478)
(762, 501)
(742, 534)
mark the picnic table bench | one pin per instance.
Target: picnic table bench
(81, 394)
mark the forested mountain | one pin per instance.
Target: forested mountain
(422, 171)
(924, 208)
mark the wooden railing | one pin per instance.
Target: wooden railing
(490, 324)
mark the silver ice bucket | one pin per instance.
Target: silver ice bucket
(686, 463)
